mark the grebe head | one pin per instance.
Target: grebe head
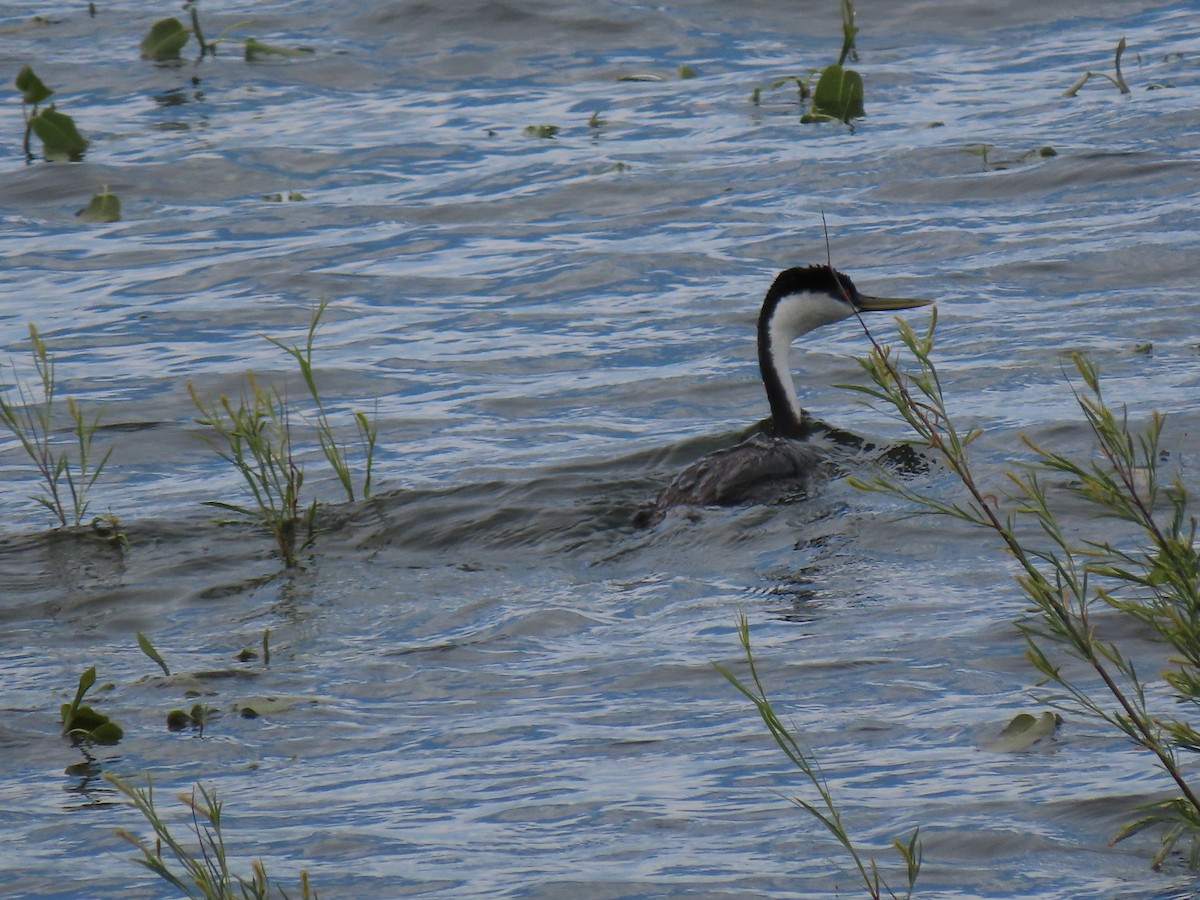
(801, 299)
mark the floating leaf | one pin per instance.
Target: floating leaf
(256, 48)
(31, 87)
(87, 719)
(838, 94)
(541, 131)
(108, 733)
(59, 136)
(1024, 731)
(686, 71)
(106, 207)
(165, 39)
(143, 641)
(177, 720)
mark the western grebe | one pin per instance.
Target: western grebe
(777, 461)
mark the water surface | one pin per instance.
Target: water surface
(484, 681)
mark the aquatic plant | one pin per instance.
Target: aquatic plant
(838, 95)
(202, 871)
(255, 437)
(103, 207)
(1117, 79)
(825, 811)
(167, 37)
(836, 92)
(56, 130)
(849, 32)
(66, 478)
(336, 453)
(84, 723)
(151, 651)
(1069, 578)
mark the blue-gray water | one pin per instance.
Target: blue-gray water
(483, 681)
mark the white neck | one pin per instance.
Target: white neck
(794, 315)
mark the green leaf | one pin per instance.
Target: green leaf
(165, 39)
(87, 719)
(256, 48)
(103, 207)
(177, 720)
(59, 136)
(108, 733)
(148, 649)
(1024, 731)
(31, 87)
(839, 94)
(69, 711)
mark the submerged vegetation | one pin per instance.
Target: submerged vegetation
(826, 811)
(56, 130)
(254, 434)
(165, 40)
(1117, 79)
(81, 722)
(1086, 591)
(836, 93)
(103, 207)
(336, 453)
(66, 476)
(203, 870)
(255, 437)
(1150, 578)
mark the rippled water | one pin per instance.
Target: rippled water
(485, 682)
